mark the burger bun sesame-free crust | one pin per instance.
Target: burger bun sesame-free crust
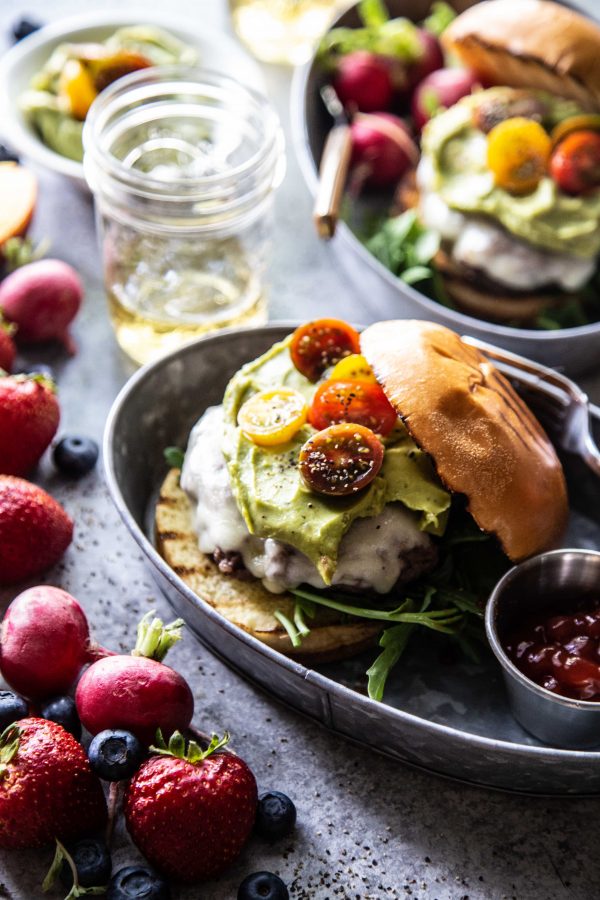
(530, 43)
(484, 441)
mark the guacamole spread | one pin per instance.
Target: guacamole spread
(272, 497)
(547, 218)
(47, 105)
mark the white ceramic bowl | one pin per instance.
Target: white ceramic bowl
(216, 51)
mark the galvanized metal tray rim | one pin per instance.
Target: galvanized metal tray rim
(327, 686)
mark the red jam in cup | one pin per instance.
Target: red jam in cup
(560, 652)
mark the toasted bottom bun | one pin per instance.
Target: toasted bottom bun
(493, 304)
(245, 602)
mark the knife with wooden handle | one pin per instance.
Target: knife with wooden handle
(333, 169)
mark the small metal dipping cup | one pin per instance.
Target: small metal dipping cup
(549, 584)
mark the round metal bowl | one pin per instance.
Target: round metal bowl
(450, 719)
(574, 350)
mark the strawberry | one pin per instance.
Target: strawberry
(47, 788)
(29, 415)
(7, 347)
(35, 530)
(190, 813)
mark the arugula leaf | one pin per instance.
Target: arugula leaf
(394, 641)
(174, 457)
(405, 247)
(293, 632)
(379, 34)
(415, 273)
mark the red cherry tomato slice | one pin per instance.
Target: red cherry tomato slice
(340, 460)
(575, 164)
(352, 401)
(320, 344)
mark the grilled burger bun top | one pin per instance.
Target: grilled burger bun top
(530, 43)
(484, 441)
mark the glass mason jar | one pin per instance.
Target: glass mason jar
(182, 164)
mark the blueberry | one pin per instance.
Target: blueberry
(7, 155)
(12, 708)
(262, 886)
(63, 711)
(275, 815)
(137, 882)
(75, 456)
(92, 861)
(24, 27)
(115, 754)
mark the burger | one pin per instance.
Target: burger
(509, 176)
(314, 506)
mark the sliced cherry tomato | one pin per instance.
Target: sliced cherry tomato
(320, 344)
(518, 151)
(273, 417)
(575, 164)
(341, 459)
(115, 65)
(582, 122)
(353, 368)
(76, 85)
(352, 401)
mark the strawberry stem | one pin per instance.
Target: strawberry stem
(194, 753)
(154, 639)
(9, 744)
(19, 251)
(61, 855)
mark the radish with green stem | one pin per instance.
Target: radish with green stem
(138, 692)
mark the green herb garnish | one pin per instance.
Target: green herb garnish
(405, 247)
(174, 457)
(381, 35)
(439, 18)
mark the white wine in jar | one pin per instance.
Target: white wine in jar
(283, 31)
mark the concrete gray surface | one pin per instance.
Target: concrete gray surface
(368, 828)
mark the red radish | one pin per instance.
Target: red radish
(42, 298)
(138, 692)
(382, 149)
(431, 60)
(363, 82)
(440, 90)
(44, 642)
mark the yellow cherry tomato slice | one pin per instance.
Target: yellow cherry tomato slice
(518, 152)
(353, 368)
(273, 417)
(77, 87)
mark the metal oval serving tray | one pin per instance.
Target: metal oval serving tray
(448, 718)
